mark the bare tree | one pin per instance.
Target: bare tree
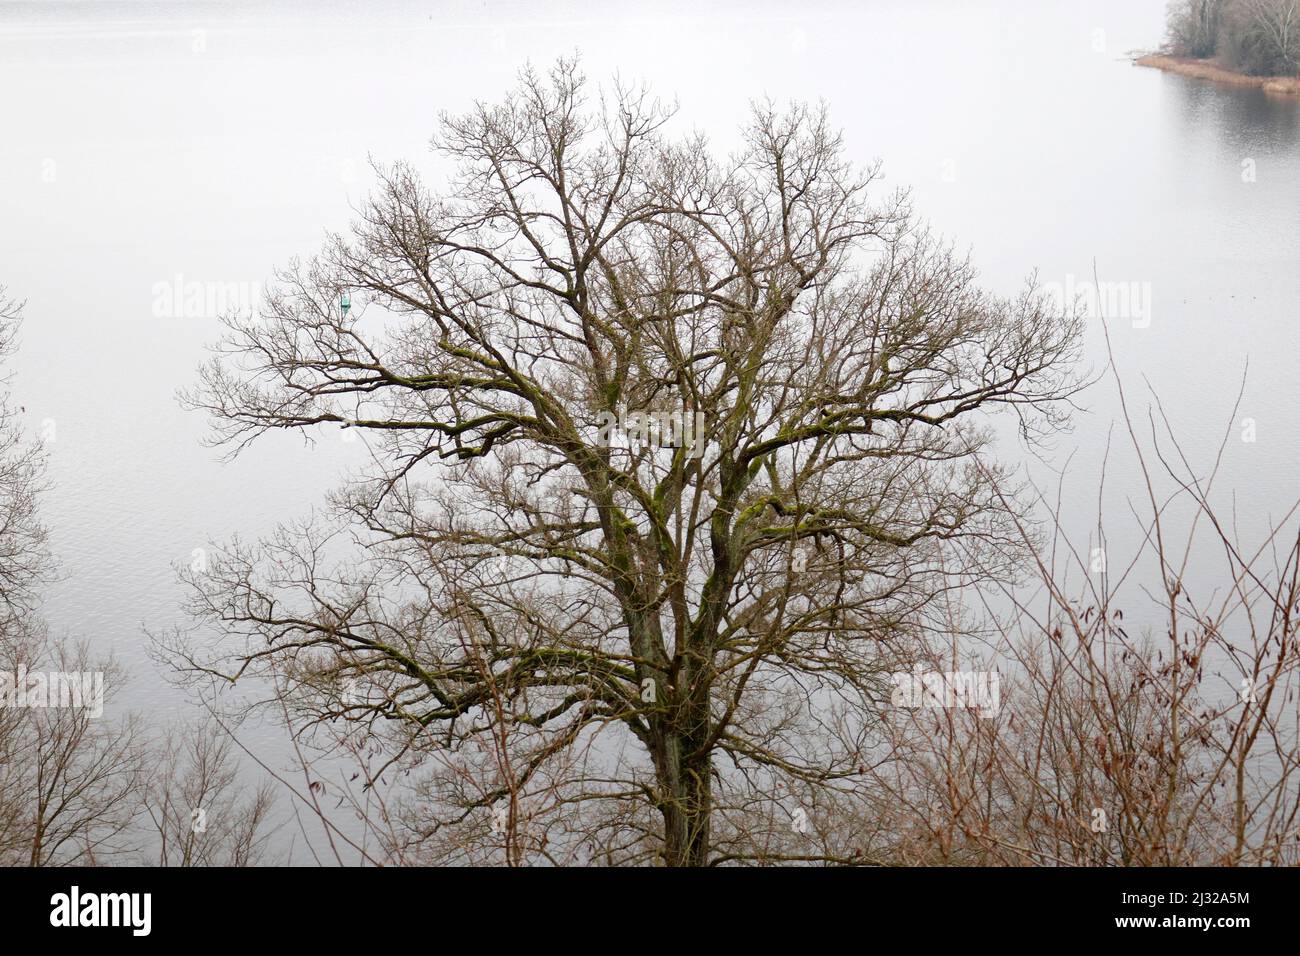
(23, 560)
(24, 556)
(668, 454)
(1193, 26)
(1266, 36)
(63, 773)
(202, 814)
(75, 776)
(1260, 37)
(68, 775)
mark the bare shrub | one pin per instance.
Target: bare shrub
(1119, 744)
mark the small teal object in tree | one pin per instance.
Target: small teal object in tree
(345, 303)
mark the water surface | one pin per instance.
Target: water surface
(146, 141)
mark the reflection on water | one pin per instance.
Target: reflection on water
(1228, 114)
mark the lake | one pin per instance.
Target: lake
(149, 146)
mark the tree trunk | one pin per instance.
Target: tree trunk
(685, 788)
(685, 802)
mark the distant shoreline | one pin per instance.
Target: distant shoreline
(1209, 70)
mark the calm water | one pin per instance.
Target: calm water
(145, 141)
